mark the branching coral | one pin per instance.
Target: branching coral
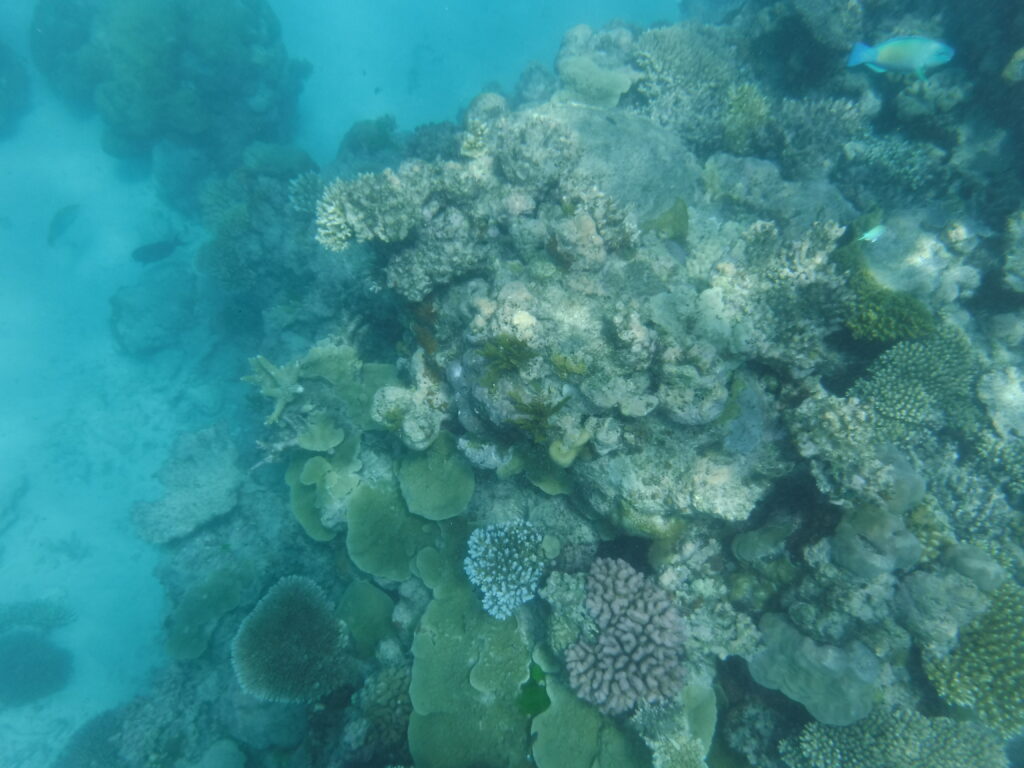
(984, 671)
(920, 386)
(505, 563)
(382, 207)
(901, 738)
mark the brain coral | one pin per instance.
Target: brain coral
(291, 647)
(636, 655)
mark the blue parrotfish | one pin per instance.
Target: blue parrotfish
(910, 55)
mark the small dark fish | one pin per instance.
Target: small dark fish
(150, 252)
(61, 222)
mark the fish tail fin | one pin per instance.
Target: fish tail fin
(861, 54)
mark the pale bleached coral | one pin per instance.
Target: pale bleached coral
(380, 207)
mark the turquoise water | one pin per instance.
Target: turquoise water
(577, 384)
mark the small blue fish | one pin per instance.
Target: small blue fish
(906, 55)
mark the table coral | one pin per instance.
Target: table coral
(291, 647)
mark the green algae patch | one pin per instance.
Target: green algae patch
(438, 483)
(533, 695)
(383, 538)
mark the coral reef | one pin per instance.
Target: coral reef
(212, 75)
(94, 744)
(708, 341)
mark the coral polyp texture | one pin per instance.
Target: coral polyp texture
(505, 563)
(291, 647)
(635, 656)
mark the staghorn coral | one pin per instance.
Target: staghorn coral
(505, 563)
(635, 656)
